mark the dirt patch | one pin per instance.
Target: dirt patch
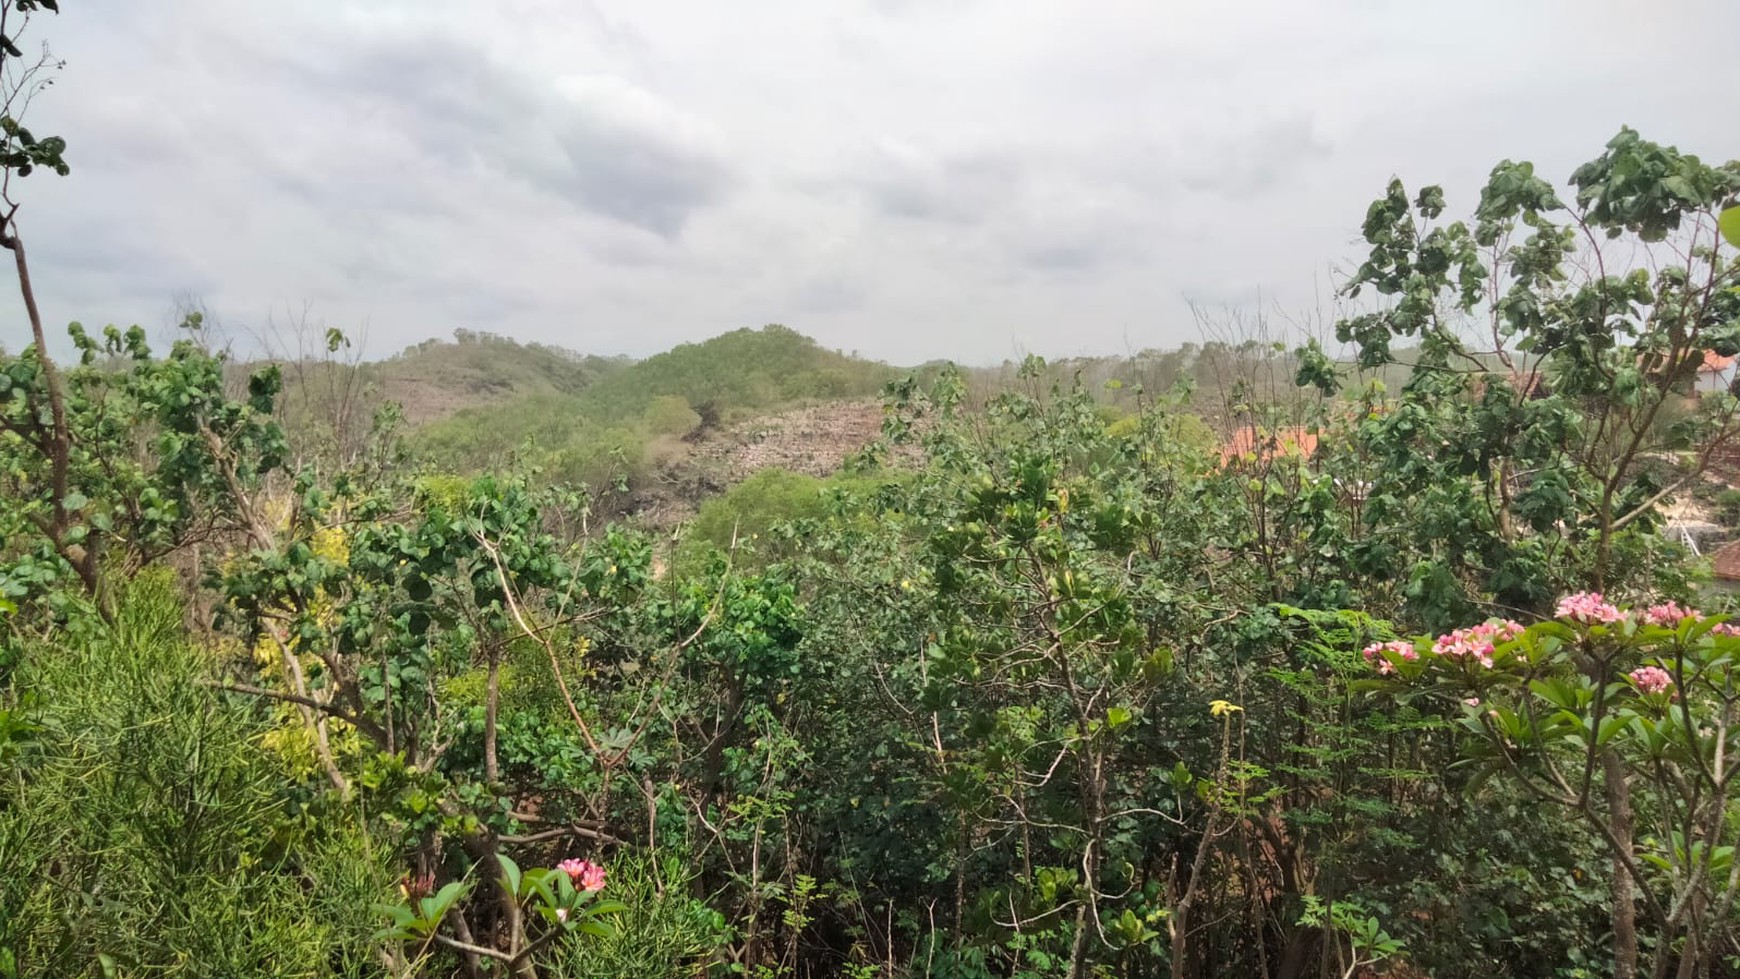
(816, 440)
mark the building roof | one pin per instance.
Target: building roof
(1715, 363)
(1726, 561)
(1251, 441)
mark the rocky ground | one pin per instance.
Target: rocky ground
(816, 440)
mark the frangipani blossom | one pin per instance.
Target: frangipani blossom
(1374, 654)
(1477, 642)
(1651, 679)
(1589, 608)
(586, 875)
(1670, 614)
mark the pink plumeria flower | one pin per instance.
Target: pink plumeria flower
(1589, 608)
(585, 874)
(1651, 679)
(592, 878)
(1375, 654)
(1669, 614)
(1476, 643)
(1472, 701)
(561, 914)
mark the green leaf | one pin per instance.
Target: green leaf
(1117, 717)
(1730, 225)
(448, 894)
(76, 501)
(1609, 727)
(597, 929)
(511, 872)
(607, 907)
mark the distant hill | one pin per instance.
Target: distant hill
(741, 371)
(436, 378)
(620, 424)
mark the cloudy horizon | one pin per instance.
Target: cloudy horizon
(907, 179)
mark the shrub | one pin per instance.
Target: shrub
(145, 830)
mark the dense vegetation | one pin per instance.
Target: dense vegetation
(1037, 689)
(612, 432)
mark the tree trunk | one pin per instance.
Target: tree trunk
(1624, 916)
(85, 561)
(491, 771)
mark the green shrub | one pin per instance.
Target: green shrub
(146, 832)
(670, 415)
(753, 509)
(665, 934)
(1728, 508)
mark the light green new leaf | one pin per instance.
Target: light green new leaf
(1730, 224)
(510, 871)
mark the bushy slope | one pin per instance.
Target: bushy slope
(435, 378)
(632, 419)
(742, 370)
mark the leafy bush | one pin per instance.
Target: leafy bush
(665, 933)
(145, 830)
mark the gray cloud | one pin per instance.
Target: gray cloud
(913, 180)
(1258, 160)
(904, 182)
(599, 143)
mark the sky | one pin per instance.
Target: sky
(905, 179)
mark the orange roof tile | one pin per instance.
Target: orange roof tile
(1726, 561)
(1294, 440)
(1715, 363)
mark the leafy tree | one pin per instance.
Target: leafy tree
(1555, 342)
(1643, 698)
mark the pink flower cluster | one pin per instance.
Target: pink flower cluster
(586, 875)
(1651, 679)
(1477, 642)
(1589, 608)
(1374, 654)
(1670, 614)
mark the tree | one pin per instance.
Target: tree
(1645, 696)
(21, 154)
(1558, 344)
(1549, 401)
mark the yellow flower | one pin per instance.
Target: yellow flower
(1221, 708)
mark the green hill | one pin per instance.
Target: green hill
(741, 371)
(626, 420)
(435, 378)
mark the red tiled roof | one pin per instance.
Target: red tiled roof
(1726, 561)
(1248, 441)
(1715, 363)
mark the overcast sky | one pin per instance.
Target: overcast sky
(909, 179)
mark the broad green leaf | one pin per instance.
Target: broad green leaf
(1730, 224)
(511, 874)
(1609, 727)
(448, 894)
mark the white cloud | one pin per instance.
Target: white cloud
(953, 178)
